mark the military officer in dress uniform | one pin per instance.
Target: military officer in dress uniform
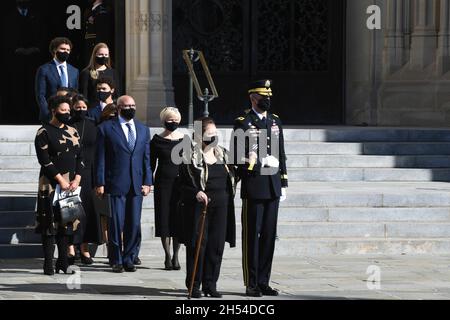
(259, 154)
(99, 27)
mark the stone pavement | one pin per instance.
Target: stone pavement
(304, 277)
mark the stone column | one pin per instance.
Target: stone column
(149, 56)
(443, 51)
(394, 43)
(423, 47)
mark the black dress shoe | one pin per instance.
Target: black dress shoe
(253, 292)
(212, 293)
(48, 268)
(196, 293)
(86, 260)
(117, 268)
(268, 291)
(137, 261)
(130, 268)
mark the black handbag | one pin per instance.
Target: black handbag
(70, 209)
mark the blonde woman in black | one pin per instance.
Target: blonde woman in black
(59, 154)
(166, 187)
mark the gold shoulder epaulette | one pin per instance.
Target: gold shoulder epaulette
(276, 116)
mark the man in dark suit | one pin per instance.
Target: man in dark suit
(23, 47)
(105, 91)
(54, 74)
(123, 171)
(262, 168)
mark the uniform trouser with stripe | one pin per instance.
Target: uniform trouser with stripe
(211, 252)
(259, 229)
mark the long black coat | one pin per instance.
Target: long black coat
(192, 180)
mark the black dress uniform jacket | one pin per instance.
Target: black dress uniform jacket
(254, 184)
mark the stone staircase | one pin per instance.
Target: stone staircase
(353, 190)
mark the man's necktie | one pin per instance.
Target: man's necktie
(131, 137)
(64, 81)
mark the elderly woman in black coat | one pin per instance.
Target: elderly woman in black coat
(207, 179)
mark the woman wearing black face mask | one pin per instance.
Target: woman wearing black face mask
(166, 183)
(59, 153)
(89, 230)
(207, 179)
(99, 67)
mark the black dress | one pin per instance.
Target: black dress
(90, 228)
(165, 186)
(58, 151)
(88, 86)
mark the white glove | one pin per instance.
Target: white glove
(270, 161)
(283, 194)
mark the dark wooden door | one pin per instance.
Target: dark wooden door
(296, 43)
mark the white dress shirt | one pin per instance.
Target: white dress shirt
(123, 124)
(64, 64)
(260, 115)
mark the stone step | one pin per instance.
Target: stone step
(349, 214)
(321, 246)
(302, 195)
(21, 251)
(19, 162)
(296, 161)
(18, 235)
(283, 247)
(367, 161)
(367, 148)
(17, 149)
(369, 174)
(17, 203)
(19, 175)
(17, 219)
(299, 133)
(300, 230)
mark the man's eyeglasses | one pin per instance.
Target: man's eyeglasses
(127, 106)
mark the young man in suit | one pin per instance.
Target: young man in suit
(54, 74)
(123, 171)
(105, 91)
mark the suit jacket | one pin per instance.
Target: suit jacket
(118, 169)
(95, 114)
(47, 83)
(255, 183)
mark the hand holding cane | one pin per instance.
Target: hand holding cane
(197, 248)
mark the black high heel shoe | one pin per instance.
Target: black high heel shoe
(212, 293)
(62, 266)
(175, 264)
(168, 264)
(86, 260)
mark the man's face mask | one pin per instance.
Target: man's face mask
(264, 104)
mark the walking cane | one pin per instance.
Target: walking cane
(197, 249)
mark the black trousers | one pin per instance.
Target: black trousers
(211, 252)
(259, 229)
